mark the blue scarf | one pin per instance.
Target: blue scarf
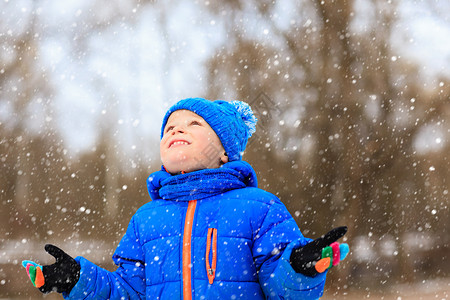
(201, 184)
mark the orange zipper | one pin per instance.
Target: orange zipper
(187, 236)
(211, 268)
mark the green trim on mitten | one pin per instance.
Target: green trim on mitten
(328, 252)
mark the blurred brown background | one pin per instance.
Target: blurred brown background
(353, 128)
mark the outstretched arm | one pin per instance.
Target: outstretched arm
(81, 279)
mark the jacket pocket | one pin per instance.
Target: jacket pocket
(211, 254)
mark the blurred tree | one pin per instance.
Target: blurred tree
(340, 114)
(25, 94)
(38, 185)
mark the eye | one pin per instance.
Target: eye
(169, 128)
(196, 123)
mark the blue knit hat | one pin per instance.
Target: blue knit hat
(233, 122)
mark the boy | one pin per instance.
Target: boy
(209, 232)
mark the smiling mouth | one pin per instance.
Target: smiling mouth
(178, 143)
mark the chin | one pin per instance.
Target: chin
(183, 168)
(174, 167)
(181, 162)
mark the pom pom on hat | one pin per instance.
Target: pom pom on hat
(247, 116)
(233, 122)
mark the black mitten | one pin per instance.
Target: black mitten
(59, 277)
(320, 254)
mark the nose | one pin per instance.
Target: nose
(178, 129)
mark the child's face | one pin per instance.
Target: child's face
(190, 144)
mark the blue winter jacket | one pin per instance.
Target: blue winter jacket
(210, 234)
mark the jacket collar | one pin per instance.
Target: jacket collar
(201, 184)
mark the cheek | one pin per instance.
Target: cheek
(205, 140)
(163, 141)
(162, 149)
(210, 137)
(215, 141)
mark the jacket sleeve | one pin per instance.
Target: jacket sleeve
(278, 235)
(127, 282)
